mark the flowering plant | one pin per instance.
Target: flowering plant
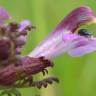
(16, 71)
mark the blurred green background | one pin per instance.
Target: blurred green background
(77, 75)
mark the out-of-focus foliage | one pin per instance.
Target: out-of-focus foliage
(77, 75)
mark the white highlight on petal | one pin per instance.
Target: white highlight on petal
(51, 46)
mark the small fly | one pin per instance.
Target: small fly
(84, 32)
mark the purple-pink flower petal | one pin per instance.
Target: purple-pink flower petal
(73, 20)
(79, 16)
(82, 46)
(23, 25)
(21, 40)
(3, 14)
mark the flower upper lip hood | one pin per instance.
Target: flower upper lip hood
(77, 17)
(64, 37)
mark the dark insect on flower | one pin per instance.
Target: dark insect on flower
(16, 71)
(84, 32)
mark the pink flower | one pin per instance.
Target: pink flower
(65, 39)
